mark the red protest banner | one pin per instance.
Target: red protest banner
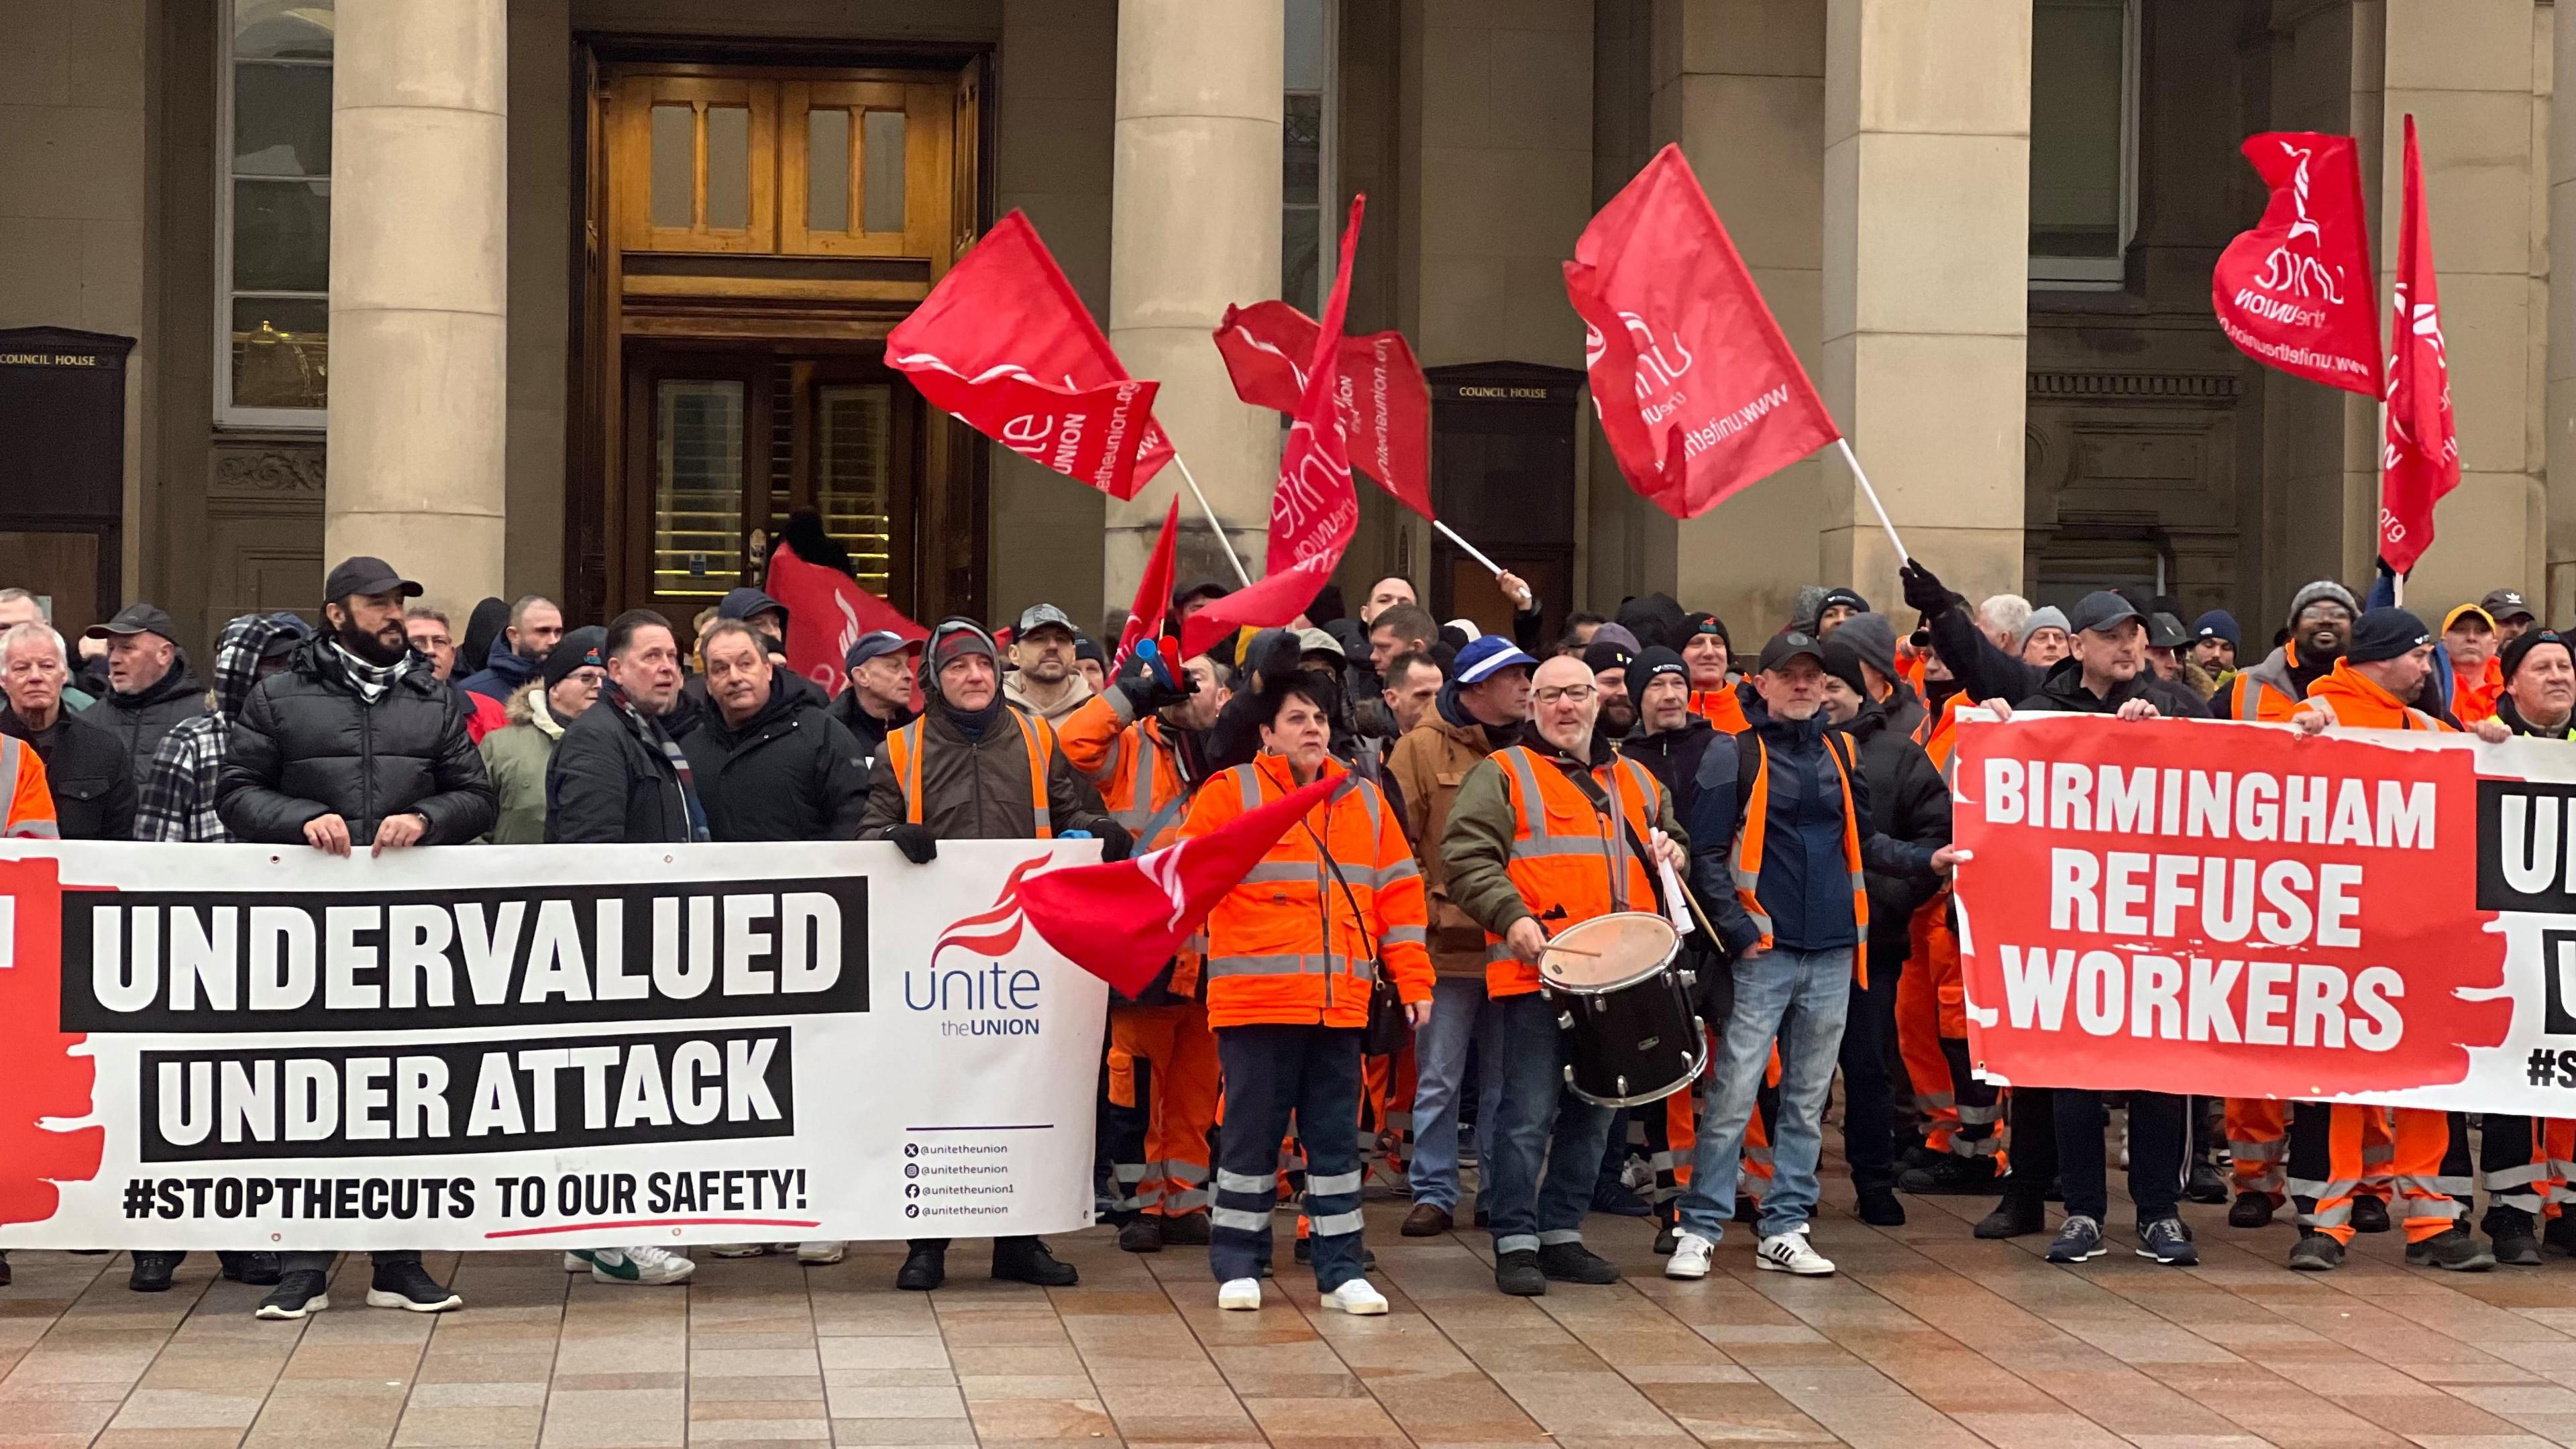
(2156, 905)
(1004, 344)
(2422, 458)
(827, 611)
(2296, 292)
(1699, 394)
(1153, 591)
(1385, 402)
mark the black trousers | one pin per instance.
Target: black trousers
(1869, 1091)
(1275, 1074)
(2057, 1132)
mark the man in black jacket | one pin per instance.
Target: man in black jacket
(92, 781)
(355, 743)
(150, 686)
(618, 775)
(1909, 802)
(879, 698)
(770, 765)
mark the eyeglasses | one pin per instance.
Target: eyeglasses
(1575, 692)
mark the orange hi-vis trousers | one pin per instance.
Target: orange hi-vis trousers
(2429, 1166)
(1163, 1079)
(2258, 1145)
(1961, 1115)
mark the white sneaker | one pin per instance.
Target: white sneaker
(1690, 1257)
(1354, 1297)
(818, 1253)
(1245, 1294)
(739, 1250)
(643, 1267)
(576, 1263)
(1789, 1253)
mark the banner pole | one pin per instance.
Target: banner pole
(1478, 555)
(1214, 522)
(1880, 508)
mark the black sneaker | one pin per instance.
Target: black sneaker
(1918, 1155)
(2250, 1210)
(1518, 1274)
(1619, 1200)
(1304, 1252)
(2168, 1242)
(1879, 1208)
(405, 1284)
(1748, 1209)
(2452, 1248)
(1667, 1228)
(5, 1274)
(2516, 1242)
(259, 1270)
(1949, 1175)
(2315, 1252)
(153, 1271)
(1480, 1219)
(2206, 1184)
(1026, 1260)
(2369, 1214)
(1575, 1263)
(2017, 1215)
(923, 1270)
(1142, 1234)
(304, 1291)
(1189, 1230)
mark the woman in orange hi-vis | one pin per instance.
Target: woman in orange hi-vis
(1293, 952)
(31, 804)
(2386, 664)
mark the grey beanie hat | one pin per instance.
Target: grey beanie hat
(2049, 617)
(1873, 638)
(2325, 590)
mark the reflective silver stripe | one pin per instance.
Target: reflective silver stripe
(2421, 1208)
(1545, 845)
(1338, 1182)
(1936, 1102)
(1517, 1243)
(1109, 760)
(1336, 1225)
(1397, 935)
(2249, 697)
(1380, 877)
(1265, 965)
(1963, 1145)
(2334, 1217)
(1128, 1171)
(1533, 804)
(2314, 1187)
(2498, 1179)
(1550, 1237)
(35, 830)
(1125, 1204)
(1187, 1200)
(2444, 1186)
(2273, 1151)
(1282, 872)
(1240, 1182)
(1239, 1220)
(10, 764)
(1499, 952)
(1189, 1172)
(1247, 782)
(1141, 789)
(1970, 1114)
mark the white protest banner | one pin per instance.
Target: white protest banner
(210, 1046)
(2238, 910)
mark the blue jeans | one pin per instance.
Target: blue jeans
(1801, 999)
(1538, 1123)
(1459, 1015)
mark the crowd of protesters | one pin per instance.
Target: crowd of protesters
(1380, 968)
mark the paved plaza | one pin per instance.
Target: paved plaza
(1927, 1340)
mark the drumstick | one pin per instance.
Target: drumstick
(1572, 951)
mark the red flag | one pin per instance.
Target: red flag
(1004, 344)
(2297, 292)
(1153, 591)
(1698, 392)
(2422, 461)
(1314, 512)
(1385, 403)
(827, 611)
(1121, 922)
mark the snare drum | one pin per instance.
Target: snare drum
(1630, 1036)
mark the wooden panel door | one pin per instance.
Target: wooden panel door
(699, 449)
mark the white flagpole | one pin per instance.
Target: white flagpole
(1854, 460)
(1478, 555)
(1214, 522)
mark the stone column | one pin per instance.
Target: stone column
(1194, 227)
(2558, 438)
(1926, 294)
(419, 311)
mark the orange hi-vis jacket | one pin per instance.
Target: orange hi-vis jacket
(1721, 707)
(1570, 863)
(31, 802)
(1757, 819)
(1138, 775)
(1939, 733)
(2474, 699)
(2263, 692)
(1286, 946)
(903, 756)
(2352, 701)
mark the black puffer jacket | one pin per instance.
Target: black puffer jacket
(1908, 802)
(92, 781)
(790, 773)
(611, 781)
(139, 720)
(308, 745)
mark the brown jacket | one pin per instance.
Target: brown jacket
(980, 789)
(1427, 765)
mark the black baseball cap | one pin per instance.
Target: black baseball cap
(364, 575)
(2099, 612)
(2503, 604)
(749, 603)
(2164, 631)
(136, 619)
(875, 645)
(1784, 647)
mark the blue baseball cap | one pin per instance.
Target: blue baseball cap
(1488, 655)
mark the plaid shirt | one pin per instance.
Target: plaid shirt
(177, 800)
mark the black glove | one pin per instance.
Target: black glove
(1116, 841)
(916, 842)
(1145, 690)
(1925, 594)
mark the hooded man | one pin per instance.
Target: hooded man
(975, 768)
(150, 686)
(177, 800)
(516, 657)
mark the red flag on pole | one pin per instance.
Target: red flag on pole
(1385, 402)
(1153, 591)
(1122, 921)
(2422, 461)
(2297, 292)
(827, 611)
(1699, 394)
(1004, 344)
(1314, 512)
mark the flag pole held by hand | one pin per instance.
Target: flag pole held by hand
(1880, 508)
(1214, 522)
(1478, 555)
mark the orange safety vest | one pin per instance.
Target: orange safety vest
(2346, 698)
(1748, 847)
(903, 757)
(2251, 696)
(1570, 862)
(2475, 699)
(31, 803)
(1938, 734)
(1285, 946)
(1722, 707)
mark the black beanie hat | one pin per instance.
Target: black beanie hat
(2526, 641)
(1843, 662)
(575, 649)
(2386, 633)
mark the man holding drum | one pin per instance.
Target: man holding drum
(1546, 834)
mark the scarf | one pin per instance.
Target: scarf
(372, 681)
(655, 735)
